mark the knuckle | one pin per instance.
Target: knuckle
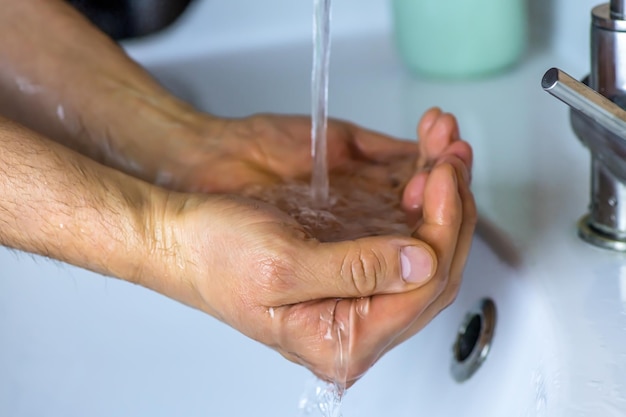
(364, 269)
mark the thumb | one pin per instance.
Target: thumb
(367, 266)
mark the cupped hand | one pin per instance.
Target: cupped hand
(250, 265)
(265, 149)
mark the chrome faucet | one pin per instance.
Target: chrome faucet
(598, 118)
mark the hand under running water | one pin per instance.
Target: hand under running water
(241, 260)
(255, 268)
(266, 149)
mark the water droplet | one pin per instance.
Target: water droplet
(60, 112)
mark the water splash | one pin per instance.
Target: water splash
(321, 398)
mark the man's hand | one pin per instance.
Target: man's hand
(255, 268)
(266, 149)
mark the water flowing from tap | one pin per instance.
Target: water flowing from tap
(319, 99)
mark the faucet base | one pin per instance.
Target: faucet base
(590, 234)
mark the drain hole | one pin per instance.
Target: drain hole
(467, 339)
(473, 340)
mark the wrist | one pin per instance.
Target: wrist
(170, 265)
(162, 140)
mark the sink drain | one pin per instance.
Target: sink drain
(473, 340)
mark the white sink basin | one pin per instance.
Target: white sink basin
(77, 344)
(521, 376)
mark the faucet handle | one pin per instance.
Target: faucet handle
(599, 123)
(584, 99)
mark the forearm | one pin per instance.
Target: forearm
(57, 203)
(61, 76)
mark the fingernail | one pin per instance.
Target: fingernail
(416, 264)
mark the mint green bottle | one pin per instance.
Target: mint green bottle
(460, 38)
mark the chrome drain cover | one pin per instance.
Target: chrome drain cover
(473, 340)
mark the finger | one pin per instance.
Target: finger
(438, 134)
(413, 197)
(464, 242)
(390, 315)
(413, 194)
(442, 132)
(364, 267)
(427, 121)
(442, 213)
(466, 233)
(461, 150)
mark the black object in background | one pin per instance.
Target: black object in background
(122, 19)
